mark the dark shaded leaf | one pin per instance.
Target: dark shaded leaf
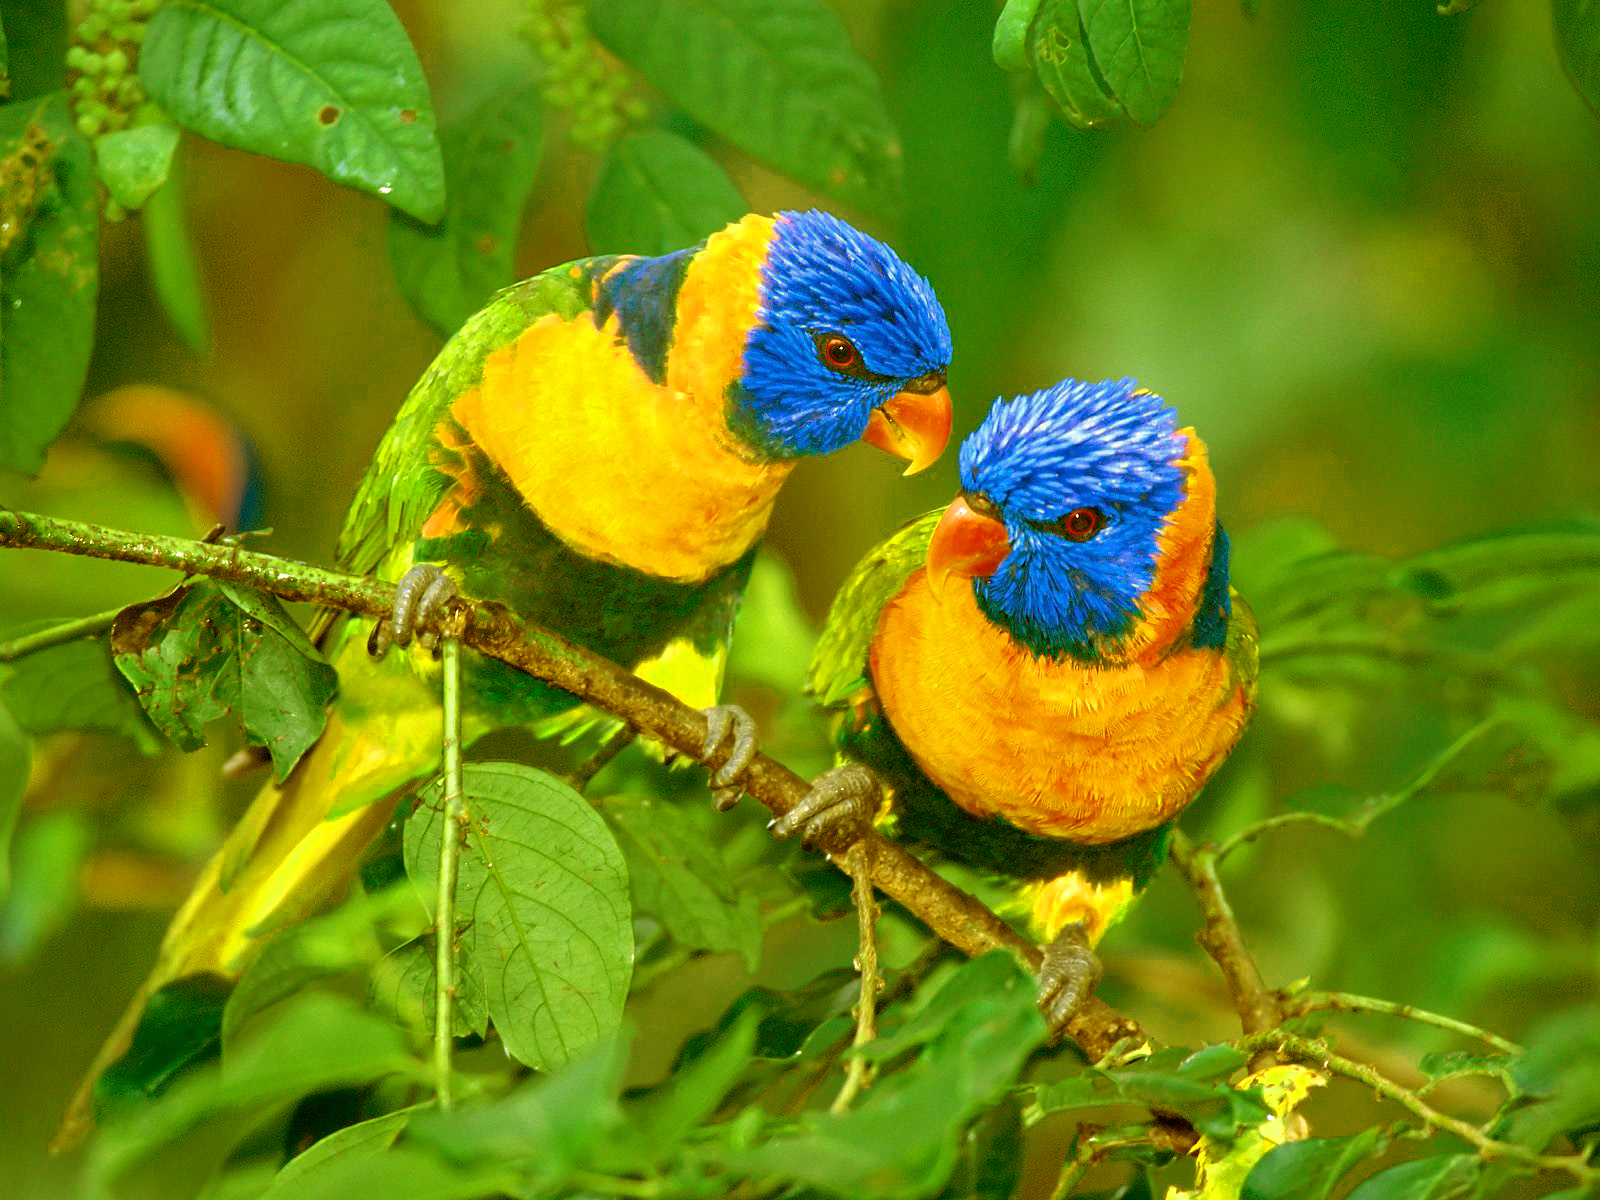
(1310, 1169)
(174, 273)
(679, 876)
(656, 193)
(134, 163)
(76, 686)
(1138, 47)
(332, 84)
(206, 649)
(1160, 1082)
(542, 905)
(449, 271)
(1422, 1179)
(1059, 48)
(14, 763)
(49, 274)
(46, 863)
(181, 1026)
(778, 78)
(698, 1086)
(1577, 27)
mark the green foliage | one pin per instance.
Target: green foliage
(174, 272)
(14, 760)
(134, 163)
(1577, 28)
(656, 193)
(75, 685)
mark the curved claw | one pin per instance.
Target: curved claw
(1067, 976)
(837, 809)
(419, 599)
(731, 730)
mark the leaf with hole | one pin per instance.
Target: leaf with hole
(1059, 48)
(331, 84)
(1138, 47)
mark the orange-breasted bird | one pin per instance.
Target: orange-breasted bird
(1045, 673)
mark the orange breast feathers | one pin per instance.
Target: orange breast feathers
(620, 468)
(1060, 749)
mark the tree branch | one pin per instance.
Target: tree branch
(491, 629)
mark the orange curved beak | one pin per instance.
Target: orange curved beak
(965, 543)
(913, 424)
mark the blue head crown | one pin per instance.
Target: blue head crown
(1084, 476)
(821, 278)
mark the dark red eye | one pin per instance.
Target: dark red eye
(1081, 524)
(838, 353)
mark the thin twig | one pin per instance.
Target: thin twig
(855, 1076)
(66, 631)
(614, 745)
(1317, 1053)
(490, 629)
(444, 936)
(1257, 1006)
(1302, 1003)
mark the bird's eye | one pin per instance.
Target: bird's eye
(838, 352)
(1081, 524)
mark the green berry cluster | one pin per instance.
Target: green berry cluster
(578, 75)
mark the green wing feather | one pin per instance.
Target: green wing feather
(401, 488)
(839, 663)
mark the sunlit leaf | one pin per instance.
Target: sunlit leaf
(542, 906)
(134, 163)
(1138, 47)
(778, 78)
(449, 271)
(333, 84)
(1577, 26)
(656, 193)
(49, 275)
(206, 649)
(772, 636)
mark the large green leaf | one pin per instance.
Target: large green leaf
(678, 876)
(174, 272)
(1309, 1169)
(656, 193)
(337, 1153)
(75, 686)
(400, 1172)
(1424, 1179)
(1577, 26)
(14, 760)
(404, 985)
(206, 649)
(49, 274)
(448, 271)
(1059, 47)
(179, 1027)
(134, 163)
(543, 918)
(1138, 48)
(333, 84)
(1194, 1086)
(778, 78)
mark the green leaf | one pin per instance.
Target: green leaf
(49, 274)
(14, 764)
(76, 686)
(543, 900)
(316, 1043)
(656, 193)
(698, 1086)
(1423, 1179)
(1577, 28)
(173, 270)
(1010, 46)
(449, 271)
(337, 1153)
(404, 986)
(1159, 1082)
(1310, 1169)
(134, 163)
(679, 876)
(332, 84)
(772, 636)
(400, 1172)
(1138, 48)
(1059, 47)
(5, 64)
(778, 78)
(46, 864)
(206, 649)
(180, 1026)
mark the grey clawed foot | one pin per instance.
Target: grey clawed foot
(419, 599)
(1067, 976)
(731, 730)
(836, 811)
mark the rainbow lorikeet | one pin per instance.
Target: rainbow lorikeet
(598, 449)
(1045, 673)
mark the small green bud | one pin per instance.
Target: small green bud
(117, 63)
(92, 28)
(77, 56)
(88, 124)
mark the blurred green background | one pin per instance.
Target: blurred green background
(1361, 255)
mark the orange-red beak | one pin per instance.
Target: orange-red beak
(913, 424)
(965, 543)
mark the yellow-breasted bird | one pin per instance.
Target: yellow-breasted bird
(598, 449)
(1045, 673)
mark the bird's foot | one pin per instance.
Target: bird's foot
(419, 599)
(836, 811)
(730, 730)
(1067, 976)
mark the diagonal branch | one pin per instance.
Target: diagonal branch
(490, 629)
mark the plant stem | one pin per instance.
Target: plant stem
(491, 629)
(855, 1077)
(66, 631)
(444, 936)
(1308, 1002)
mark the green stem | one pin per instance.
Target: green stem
(1309, 1002)
(66, 631)
(855, 1078)
(449, 865)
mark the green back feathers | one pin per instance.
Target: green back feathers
(839, 663)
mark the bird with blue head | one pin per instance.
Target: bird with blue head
(1045, 673)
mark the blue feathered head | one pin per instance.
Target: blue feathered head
(846, 330)
(1083, 476)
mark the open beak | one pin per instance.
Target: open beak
(914, 423)
(965, 543)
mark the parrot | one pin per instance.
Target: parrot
(598, 449)
(1046, 672)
